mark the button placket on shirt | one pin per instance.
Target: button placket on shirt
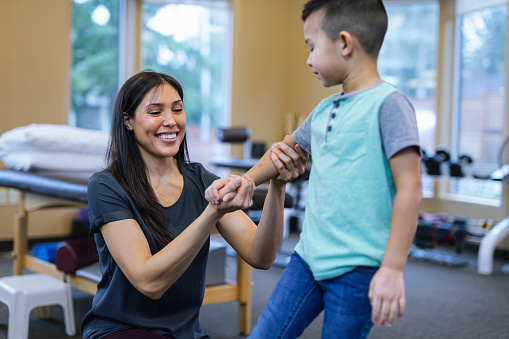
(332, 116)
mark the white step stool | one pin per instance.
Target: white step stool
(22, 293)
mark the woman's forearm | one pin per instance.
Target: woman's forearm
(172, 261)
(270, 228)
(160, 271)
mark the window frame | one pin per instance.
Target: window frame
(130, 60)
(447, 132)
(440, 198)
(437, 2)
(456, 111)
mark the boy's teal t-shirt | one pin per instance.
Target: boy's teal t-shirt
(351, 191)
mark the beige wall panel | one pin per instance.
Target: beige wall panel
(34, 68)
(270, 75)
(261, 52)
(34, 62)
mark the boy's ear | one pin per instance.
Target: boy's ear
(127, 121)
(346, 43)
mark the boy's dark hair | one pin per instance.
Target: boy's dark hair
(366, 19)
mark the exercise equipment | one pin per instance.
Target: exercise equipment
(456, 167)
(237, 135)
(433, 163)
(436, 257)
(439, 229)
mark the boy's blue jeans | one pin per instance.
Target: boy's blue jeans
(298, 299)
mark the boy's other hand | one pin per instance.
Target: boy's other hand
(387, 296)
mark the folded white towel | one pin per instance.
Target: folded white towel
(54, 138)
(53, 161)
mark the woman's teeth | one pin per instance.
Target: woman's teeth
(167, 136)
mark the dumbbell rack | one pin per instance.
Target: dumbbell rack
(438, 198)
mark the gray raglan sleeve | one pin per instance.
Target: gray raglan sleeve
(398, 124)
(302, 135)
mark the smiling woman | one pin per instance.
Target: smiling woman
(152, 224)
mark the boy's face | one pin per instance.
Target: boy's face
(324, 56)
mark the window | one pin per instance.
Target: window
(191, 41)
(408, 60)
(188, 40)
(478, 119)
(94, 75)
(481, 80)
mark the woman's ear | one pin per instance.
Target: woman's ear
(346, 43)
(127, 121)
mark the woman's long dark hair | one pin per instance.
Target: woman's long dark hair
(124, 157)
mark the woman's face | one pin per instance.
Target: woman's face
(159, 124)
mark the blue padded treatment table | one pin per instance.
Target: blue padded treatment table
(51, 184)
(52, 189)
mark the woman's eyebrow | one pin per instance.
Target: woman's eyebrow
(153, 104)
(160, 105)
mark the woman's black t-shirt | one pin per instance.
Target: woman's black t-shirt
(117, 305)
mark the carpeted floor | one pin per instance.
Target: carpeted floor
(442, 302)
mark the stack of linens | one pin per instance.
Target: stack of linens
(48, 147)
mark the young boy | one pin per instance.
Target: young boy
(364, 187)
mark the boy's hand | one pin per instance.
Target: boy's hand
(387, 296)
(289, 163)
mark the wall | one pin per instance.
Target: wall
(270, 75)
(34, 68)
(260, 52)
(34, 62)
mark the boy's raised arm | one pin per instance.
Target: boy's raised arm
(264, 170)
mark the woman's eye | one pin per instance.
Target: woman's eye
(177, 110)
(154, 113)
